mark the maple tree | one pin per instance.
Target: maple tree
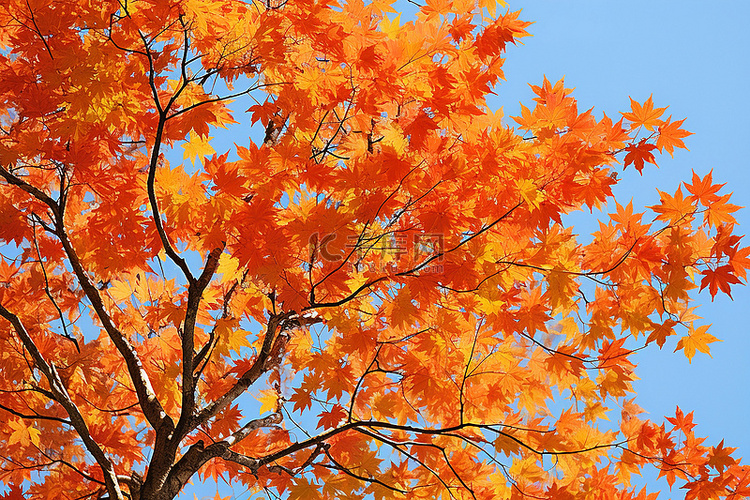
(386, 269)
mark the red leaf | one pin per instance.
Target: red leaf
(719, 279)
(640, 153)
(332, 418)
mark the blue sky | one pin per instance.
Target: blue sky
(693, 59)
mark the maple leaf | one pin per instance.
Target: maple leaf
(403, 307)
(721, 457)
(682, 421)
(391, 27)
(491, 5)
(703, 189)
(269, 400)
(304, 490)
(461, 27)
(505, 29)
(740, 262)
(302, 399)
(670, 135)
(673, 208)
(640, 153)
(719, 278)
(696, 340)
(382, 250)
(644, 115)
(719, 212)
(23, 434)
(227, 421)
(506, 444)
(214, 470)
(333, 417)
(196, 147)
(419, 129)
(548, 94)
(661, 332)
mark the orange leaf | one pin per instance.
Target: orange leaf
(673, 208)
(721, 457)
(703, 190)
(696, 340)
(644, 115)
(670, 136)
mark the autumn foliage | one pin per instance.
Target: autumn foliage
(373, 293)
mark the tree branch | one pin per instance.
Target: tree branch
(258, 423)
(35, 416)
(60, 394)
(152, 408)
(197, 454)
(156, 214)
(257, 369)
(150, 405)
(32, 190)
(195, 294)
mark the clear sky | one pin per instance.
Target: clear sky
(692, 56)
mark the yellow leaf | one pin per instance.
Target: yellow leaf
(197, 146)
(696, 340)
(22, 434)
(393, 136)
(120, 291)
(529, 192)
(301, 347)
(33, 435)
(491, 6)
(231, 338)
(228, 268)
(269, 400)
(391, 28)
